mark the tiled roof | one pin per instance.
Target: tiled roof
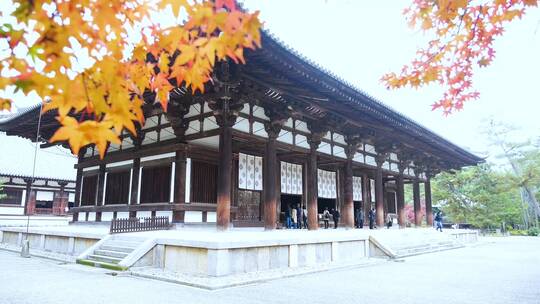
(17, 159)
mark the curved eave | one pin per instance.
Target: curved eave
(24, 123)
(363, 102)
(50, 179)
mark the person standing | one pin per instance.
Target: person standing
(288, 221)
(359, 218)
(388, 221)
(371, 217)
(294, 217)
(326, 217)
(438, 220)
(299, 216)
(304, 216)
(335, 217)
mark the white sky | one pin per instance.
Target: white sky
(362, 40)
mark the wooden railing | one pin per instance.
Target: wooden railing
(134, 224)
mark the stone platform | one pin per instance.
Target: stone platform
(203, 257)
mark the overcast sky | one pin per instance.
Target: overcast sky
(362, 40)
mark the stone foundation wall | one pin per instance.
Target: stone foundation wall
(229, 261)
(67, 245)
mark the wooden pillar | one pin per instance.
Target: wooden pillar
(30, 204)
(270, 180)
(379, 193)
(348, 203)
(313, 219)
(271, 166)
(135, 176)
(226, 111)
(314, 139)
(224, 178)
(400, 196)
(100, 190)
(60, 201)
(366, 199)
(135, 181)
(78, 183)
(179, 185)
(416, 199)
(427, 192)
(385, 201)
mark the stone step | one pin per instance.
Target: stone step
(404, 253)
(99, 264)
(103, 258)
(117, 248)
(122, 243)
(111, 253)
(414, 246)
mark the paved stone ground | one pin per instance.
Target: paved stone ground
(500, 270)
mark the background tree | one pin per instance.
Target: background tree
(523, 159)
(93, 61)
(478, 196)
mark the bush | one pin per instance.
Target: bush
(533, 231)
(517, 232)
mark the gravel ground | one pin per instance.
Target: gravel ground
(498, 270)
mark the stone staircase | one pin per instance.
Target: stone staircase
(112, 252)
(414, 242)
(421, 248)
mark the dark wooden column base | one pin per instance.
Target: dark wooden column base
(270, 185)
(417, 207)
(178, 216)
(366, 199)
(429, 209)
(400, 195)
(348, 206)
(379, 197)
(224, 179)
(204, 216)
(313, 214)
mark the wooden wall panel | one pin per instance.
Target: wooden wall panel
(89, 190)
(203, 182)
(156, 184)
(117, 188)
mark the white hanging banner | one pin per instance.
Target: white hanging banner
(372, 189)
(357, 188)
(250, 172)
(291, 178)
(258, 178)
(326, 183)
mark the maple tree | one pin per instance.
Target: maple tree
(464, 33)
(83, 57)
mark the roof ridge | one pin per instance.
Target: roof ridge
(356, 89)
